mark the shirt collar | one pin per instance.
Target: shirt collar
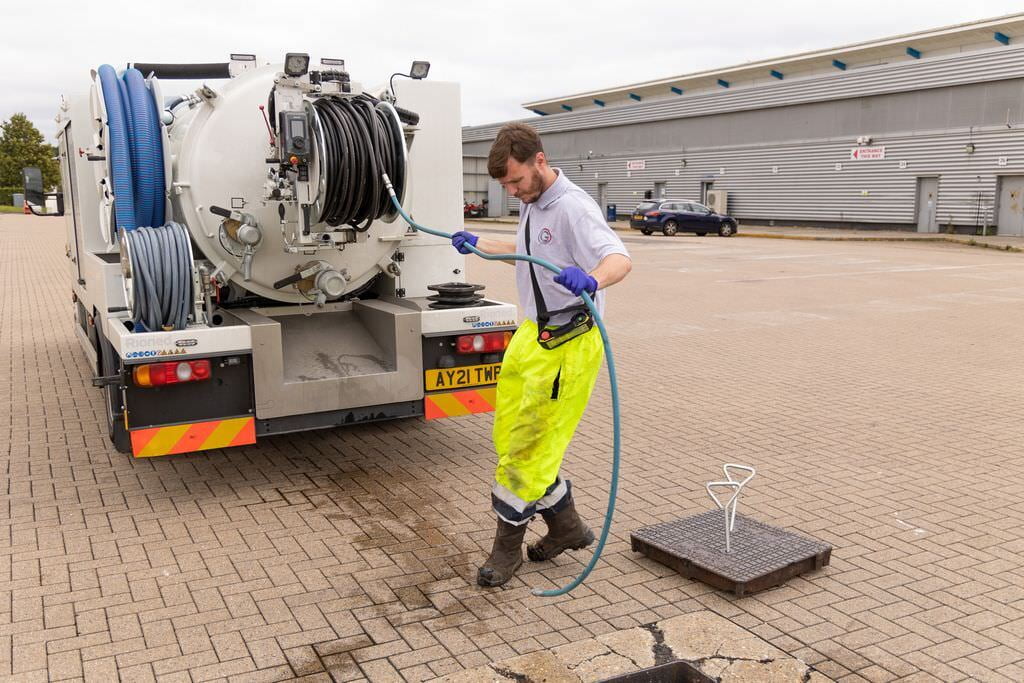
(557, 189)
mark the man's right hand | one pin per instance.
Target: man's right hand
(461, 239)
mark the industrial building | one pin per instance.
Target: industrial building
(923, 131)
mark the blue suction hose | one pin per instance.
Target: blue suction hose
(118, 149)
(135, 148)
(609, 358)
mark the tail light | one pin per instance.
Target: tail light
(175, 372)
(653, 214)
(489, 342)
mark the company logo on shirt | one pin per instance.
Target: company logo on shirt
(545, 236)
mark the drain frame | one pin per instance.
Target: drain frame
(761, 556)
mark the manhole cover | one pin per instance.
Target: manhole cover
(762, 555)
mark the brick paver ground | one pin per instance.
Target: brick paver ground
(876, 387)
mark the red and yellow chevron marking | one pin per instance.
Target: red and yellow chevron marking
(196, 436)
(456, 403)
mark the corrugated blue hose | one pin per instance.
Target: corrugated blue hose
(147, 155)
(159, 189)
(609, 358)
(118, 150)
(160, 254)
(135, 148)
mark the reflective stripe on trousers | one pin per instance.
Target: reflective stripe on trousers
(541, 396)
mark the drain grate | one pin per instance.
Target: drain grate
(673, 672)
(762, 555)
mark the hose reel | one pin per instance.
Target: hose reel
(358, 139)
(158, 276)
(134, 149)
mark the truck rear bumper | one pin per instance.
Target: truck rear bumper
(458, 403)
(194, 436)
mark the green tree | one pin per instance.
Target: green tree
(21, 144)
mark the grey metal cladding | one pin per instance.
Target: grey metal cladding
(932, 72)
(806, 185)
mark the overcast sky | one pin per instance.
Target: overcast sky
(503, 53)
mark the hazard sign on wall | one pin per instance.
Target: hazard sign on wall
(862, 153)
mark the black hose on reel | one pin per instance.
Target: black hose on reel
(161, 276)
(361, 142)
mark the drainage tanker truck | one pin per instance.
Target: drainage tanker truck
(238, 269)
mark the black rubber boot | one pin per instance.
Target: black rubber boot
(506, 555)
(566, 531)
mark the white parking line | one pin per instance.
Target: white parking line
(879, 271)
(788, 256)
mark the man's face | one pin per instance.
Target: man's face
(523, 180)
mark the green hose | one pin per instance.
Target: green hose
(609, 358)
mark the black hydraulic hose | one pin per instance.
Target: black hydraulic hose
(161, 263)
(174, 103)
(410, 117)
(361, 142)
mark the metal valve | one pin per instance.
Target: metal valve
(242, 229)
(331, 283)
(319, 279)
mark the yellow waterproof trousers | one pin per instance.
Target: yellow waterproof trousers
(541, 396)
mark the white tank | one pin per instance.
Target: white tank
(219, 150)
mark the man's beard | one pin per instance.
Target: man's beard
(536, 189)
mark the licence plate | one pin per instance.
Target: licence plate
(465, 376)
(638, 218)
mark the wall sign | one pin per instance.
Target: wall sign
(867, 153)
(636, 165)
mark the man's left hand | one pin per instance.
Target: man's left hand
(576, 280)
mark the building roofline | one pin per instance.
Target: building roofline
(939, 32)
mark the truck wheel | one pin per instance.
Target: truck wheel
(111, 365)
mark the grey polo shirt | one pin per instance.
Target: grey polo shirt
(567, 228)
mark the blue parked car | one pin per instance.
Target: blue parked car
(670, 216)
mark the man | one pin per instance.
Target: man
(552, 362)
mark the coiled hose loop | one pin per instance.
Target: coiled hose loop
(159, 282)
(361, 142)
(135, 147)
(118, 149)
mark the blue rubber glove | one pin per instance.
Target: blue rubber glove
(576, 281)
(461, 239)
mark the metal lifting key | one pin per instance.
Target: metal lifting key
(729, 507)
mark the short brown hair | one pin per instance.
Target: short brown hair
(517, 140)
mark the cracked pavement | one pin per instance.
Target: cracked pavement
(710, 646)
(875, 386)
